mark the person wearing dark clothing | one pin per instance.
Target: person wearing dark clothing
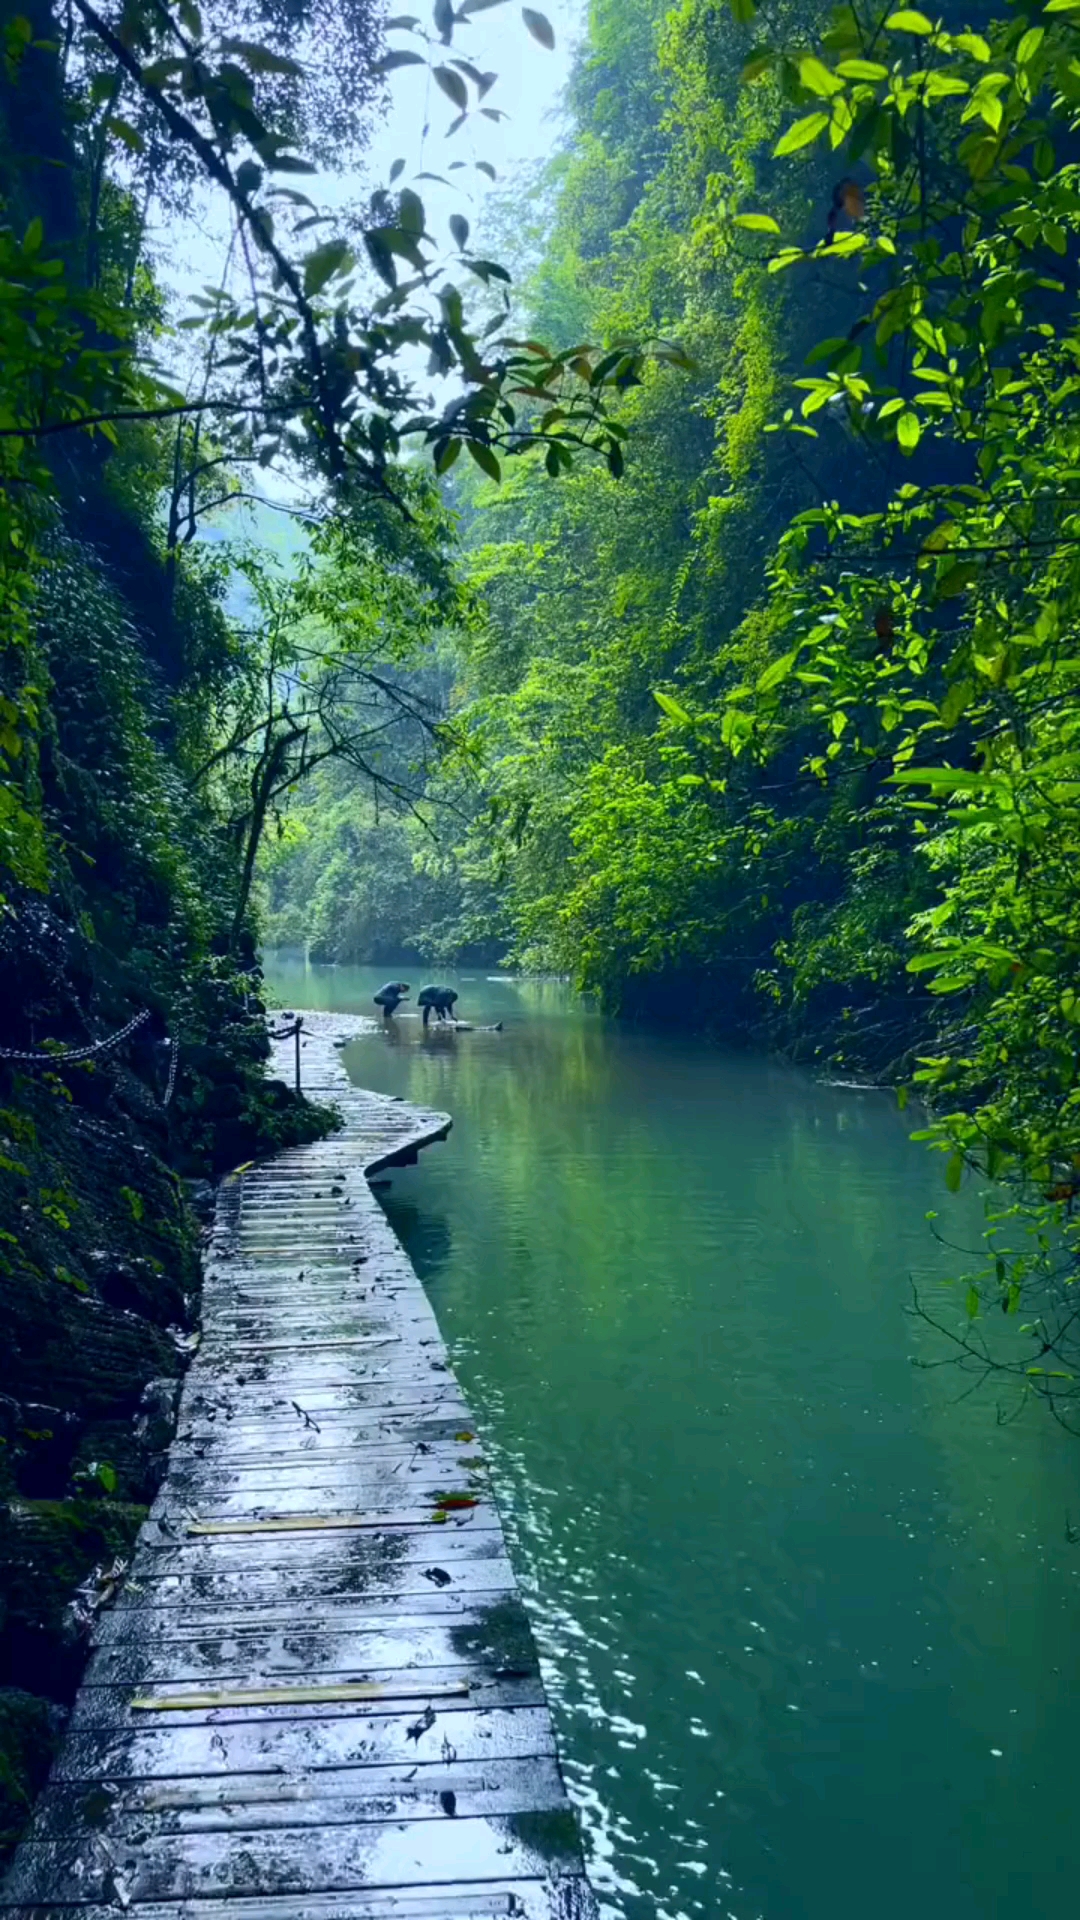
(389, 998)
(437, 1000)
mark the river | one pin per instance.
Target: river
(810, 1620)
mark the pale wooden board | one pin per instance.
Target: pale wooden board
(556, 1897)
(320, 1391)
(295, 1749)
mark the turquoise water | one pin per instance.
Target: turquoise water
(809, 1618)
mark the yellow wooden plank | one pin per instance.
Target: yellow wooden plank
(311, 1523)
(313, 1346)
(294, 1696)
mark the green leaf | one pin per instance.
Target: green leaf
(459, 227)
(1029, 46)
(956, 702)
(908, 21)
(742, 11)
(411, 211)
(862, 70)
(452, 85)
(125, 132)
(908, 431)
(155, 75)
(801, 134)
(539, 26)
(261, 60)
(777, 672)
(940, 86)
(956, 579)
(814, 75)
(320, 266)
(249, 177)
(671, 707)
(485, 459)
(756, 222)
(758, 63)
(954, 1172)
(972, 1303)
(446, 452)
(400, 57)
(940, 779)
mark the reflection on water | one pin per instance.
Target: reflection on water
(809, 1619)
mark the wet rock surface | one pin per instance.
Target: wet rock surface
(316, 1691)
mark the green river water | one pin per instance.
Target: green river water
(810, 1621)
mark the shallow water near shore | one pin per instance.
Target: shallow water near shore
(810, 1620)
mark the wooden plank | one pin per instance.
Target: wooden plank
(557, 1897)
(437, 1602)
(333, 1797)
(471, 1566)
(494, 1636)
(317, 1695)
(377, 1456)
(289, 1745)
(330, 1695)
(111, 1707)
(405, 1853)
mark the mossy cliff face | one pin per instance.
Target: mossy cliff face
(101, 1189)
(104, 1167)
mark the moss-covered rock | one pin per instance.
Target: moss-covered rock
(30, 1729)
(47, 1548)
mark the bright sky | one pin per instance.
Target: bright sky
(528, 89)
(529, 86)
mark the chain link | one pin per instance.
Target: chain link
(76, 1053)
(174, 1056)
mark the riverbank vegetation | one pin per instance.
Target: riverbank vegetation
(708, 633)
(773, 733)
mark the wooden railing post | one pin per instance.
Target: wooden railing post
(297, 1028)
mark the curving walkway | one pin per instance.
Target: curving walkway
(317, 1698)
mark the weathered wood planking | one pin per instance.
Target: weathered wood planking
(325, 1455)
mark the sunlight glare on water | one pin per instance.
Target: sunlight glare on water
(809, 1619)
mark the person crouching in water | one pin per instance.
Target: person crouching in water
(389, 998)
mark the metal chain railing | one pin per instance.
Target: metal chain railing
(292, 1033)
(71, 1054)
(174, 1057)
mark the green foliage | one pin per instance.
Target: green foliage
(780, 731)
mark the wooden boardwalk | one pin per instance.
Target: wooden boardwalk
(325, 1529)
